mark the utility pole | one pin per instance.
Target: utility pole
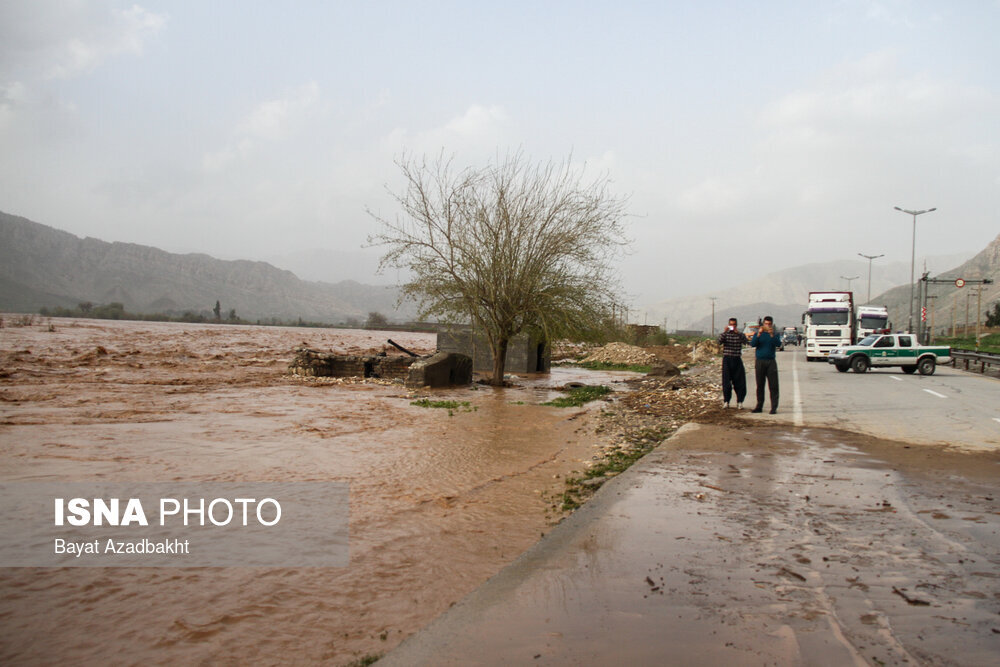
(979, 311)
(913, 254)
(931, 299)
(965, 332)
(870, 258)
(713, 298)
(953, 302)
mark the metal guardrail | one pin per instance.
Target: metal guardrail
(984, 359)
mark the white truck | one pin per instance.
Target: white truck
(828, 322)
(872, 320)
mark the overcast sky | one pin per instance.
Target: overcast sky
(749, 136)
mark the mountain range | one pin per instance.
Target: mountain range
(45, 267)
(950, 303)
(784, 294)
(41, 266)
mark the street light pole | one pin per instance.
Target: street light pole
(913, 255)
(849, 281)
(870, 258)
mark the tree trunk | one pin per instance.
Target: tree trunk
(499, 361)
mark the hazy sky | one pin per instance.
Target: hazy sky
(749, 136)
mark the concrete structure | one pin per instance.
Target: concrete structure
(321, 364)
(525, 354)
(444, 369)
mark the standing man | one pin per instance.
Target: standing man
(766, 366)
(734, 375)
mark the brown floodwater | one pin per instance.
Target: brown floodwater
(438, 502)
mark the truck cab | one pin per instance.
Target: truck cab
(872, 319)
(828, 322)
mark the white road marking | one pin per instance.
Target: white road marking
(796, 396)
(893, 377)
(996, 419)
(934, 393)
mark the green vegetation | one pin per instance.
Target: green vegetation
(989, 343)
(366, 660)
(579, 396)
(450, 406)
(609, 366)
(618, 460)
(116, 311)
(993, 318)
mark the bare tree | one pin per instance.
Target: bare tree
(511, 246)
(376, 320)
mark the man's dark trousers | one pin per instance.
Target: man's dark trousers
(767, 369)
(734, 376)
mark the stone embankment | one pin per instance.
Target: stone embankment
(443, 369)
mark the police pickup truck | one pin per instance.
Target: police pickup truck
(889, 350)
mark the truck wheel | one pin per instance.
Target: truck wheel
(860, 363)
(926, 366)
(909, 370)
(842, 366)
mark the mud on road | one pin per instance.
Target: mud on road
(758, 545)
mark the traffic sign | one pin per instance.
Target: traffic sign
(960, 282)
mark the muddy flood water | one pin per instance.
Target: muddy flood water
(438, 502)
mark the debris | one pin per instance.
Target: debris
(910, 599)
(790, 573)
(622, 353)
(401, 348)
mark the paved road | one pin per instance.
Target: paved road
(950, 407)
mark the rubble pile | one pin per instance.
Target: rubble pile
(563, 350)
(705, 350)
(622, 353)
(679, 399)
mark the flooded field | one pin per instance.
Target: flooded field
(439, 502)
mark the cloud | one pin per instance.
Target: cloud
(12, 95)
(862, 127)
(268, 122)
(59, 39)
(477, 129)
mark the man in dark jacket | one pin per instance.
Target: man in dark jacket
(767, 343)
(734, 375)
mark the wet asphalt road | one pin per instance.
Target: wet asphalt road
(756, 546)
(951, 407)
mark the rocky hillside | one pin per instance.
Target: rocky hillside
(42, 266)
(951, 301)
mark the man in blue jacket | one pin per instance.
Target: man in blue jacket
(767, 343)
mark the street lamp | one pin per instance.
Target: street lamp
(849, 281)
(913, 255)
(870, 258)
